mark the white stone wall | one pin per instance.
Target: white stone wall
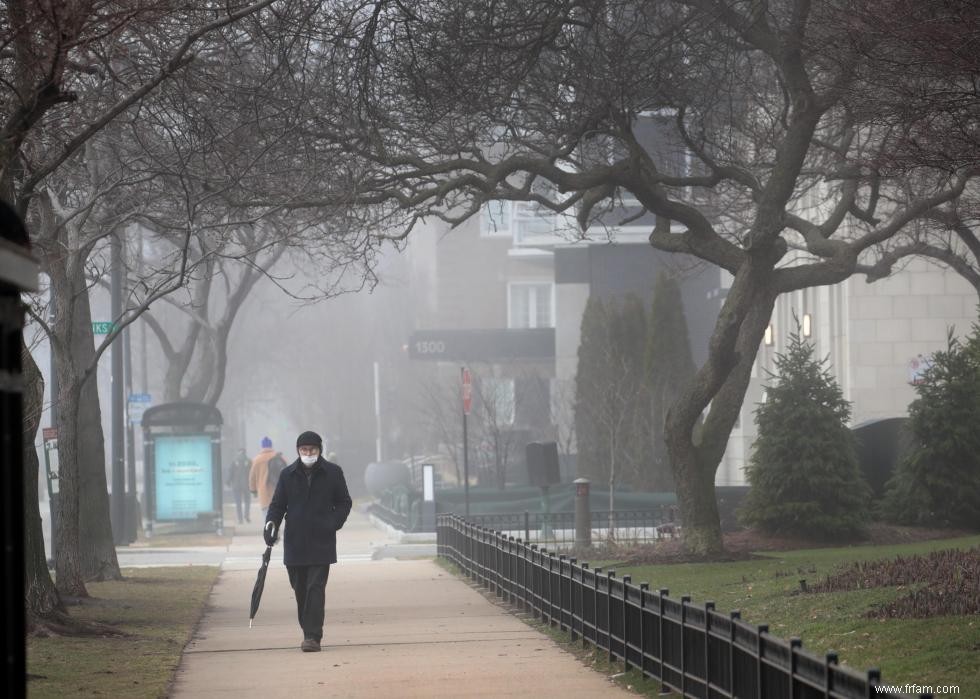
(869, 333)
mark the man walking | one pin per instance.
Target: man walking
(238, 482)
(259, 482)
(312, 495)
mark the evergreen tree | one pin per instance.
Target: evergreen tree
(611, 423)
(938, 483)
(589, 388)
(669, 366)
(804, 470)
(628, 409)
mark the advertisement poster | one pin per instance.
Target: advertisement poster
(184, 481)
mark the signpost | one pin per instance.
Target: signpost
(50, 437)
(918, 366)
(467, 391)
(137, 405)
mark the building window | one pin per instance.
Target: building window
(530, 305)
(498, 396)
(525, 222)
(496, 218)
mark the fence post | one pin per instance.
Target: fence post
(874, 680)
(662, 593)
(830, 659)
(595, 606)
(572, 565)
(561, 591)
(527, 526)
(585, 640)
(626, 629)
(759, 630)
(610, 574)
(551, 592)
(733, 616)
(709, 607)
(685, 600)
(795, 644)
(643, 630)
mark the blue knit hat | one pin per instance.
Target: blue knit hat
(266, 443)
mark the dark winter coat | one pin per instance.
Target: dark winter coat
(238, 475)
(314, 510)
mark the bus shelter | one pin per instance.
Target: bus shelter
(182, 467)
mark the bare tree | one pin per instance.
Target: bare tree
(72, 70)
(440, 412)
(446, 107)
(563, 415)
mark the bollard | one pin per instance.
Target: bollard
(583, 515)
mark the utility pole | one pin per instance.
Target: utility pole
(55, 389)
(118, 504)
(467, 395)
(132, 513)
(377, 413)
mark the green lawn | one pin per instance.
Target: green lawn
(157, 607)
(937, 651)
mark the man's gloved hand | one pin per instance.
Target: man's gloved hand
(269, 533)
(254, 493)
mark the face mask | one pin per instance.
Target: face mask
(308, 460)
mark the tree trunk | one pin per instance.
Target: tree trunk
(83, 505)
(696, 449)
(98, 550)
(68, 559)
(99, 560)
(701, 528)
(41, 601)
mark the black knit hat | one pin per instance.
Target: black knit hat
(309, 439)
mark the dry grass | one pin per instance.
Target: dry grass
(156, 608)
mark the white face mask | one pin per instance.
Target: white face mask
(309, 460)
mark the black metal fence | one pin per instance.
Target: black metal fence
(398, 520)
(557, 529)
(694, 650)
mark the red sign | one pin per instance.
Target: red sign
(48, 433)
(467, 391)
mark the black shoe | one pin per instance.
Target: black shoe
(310, 645)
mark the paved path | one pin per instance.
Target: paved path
(394, 628)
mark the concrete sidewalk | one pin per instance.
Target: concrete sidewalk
(394, 628)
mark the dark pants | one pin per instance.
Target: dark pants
(242, 498)
(309, 583)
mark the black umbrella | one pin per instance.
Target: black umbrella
(260, 579)
(259, 584)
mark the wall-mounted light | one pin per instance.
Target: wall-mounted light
(768, 336)
(807, 325)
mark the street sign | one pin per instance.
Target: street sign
(918, 367)
(138, 404)
(467, 392)
(49, 433)
(102, 327)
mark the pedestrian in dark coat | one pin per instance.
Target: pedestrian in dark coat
(312, 495)
(238, 482)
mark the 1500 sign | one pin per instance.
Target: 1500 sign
(430, 347)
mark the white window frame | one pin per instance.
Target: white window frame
(532, 303)
(490, 212)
